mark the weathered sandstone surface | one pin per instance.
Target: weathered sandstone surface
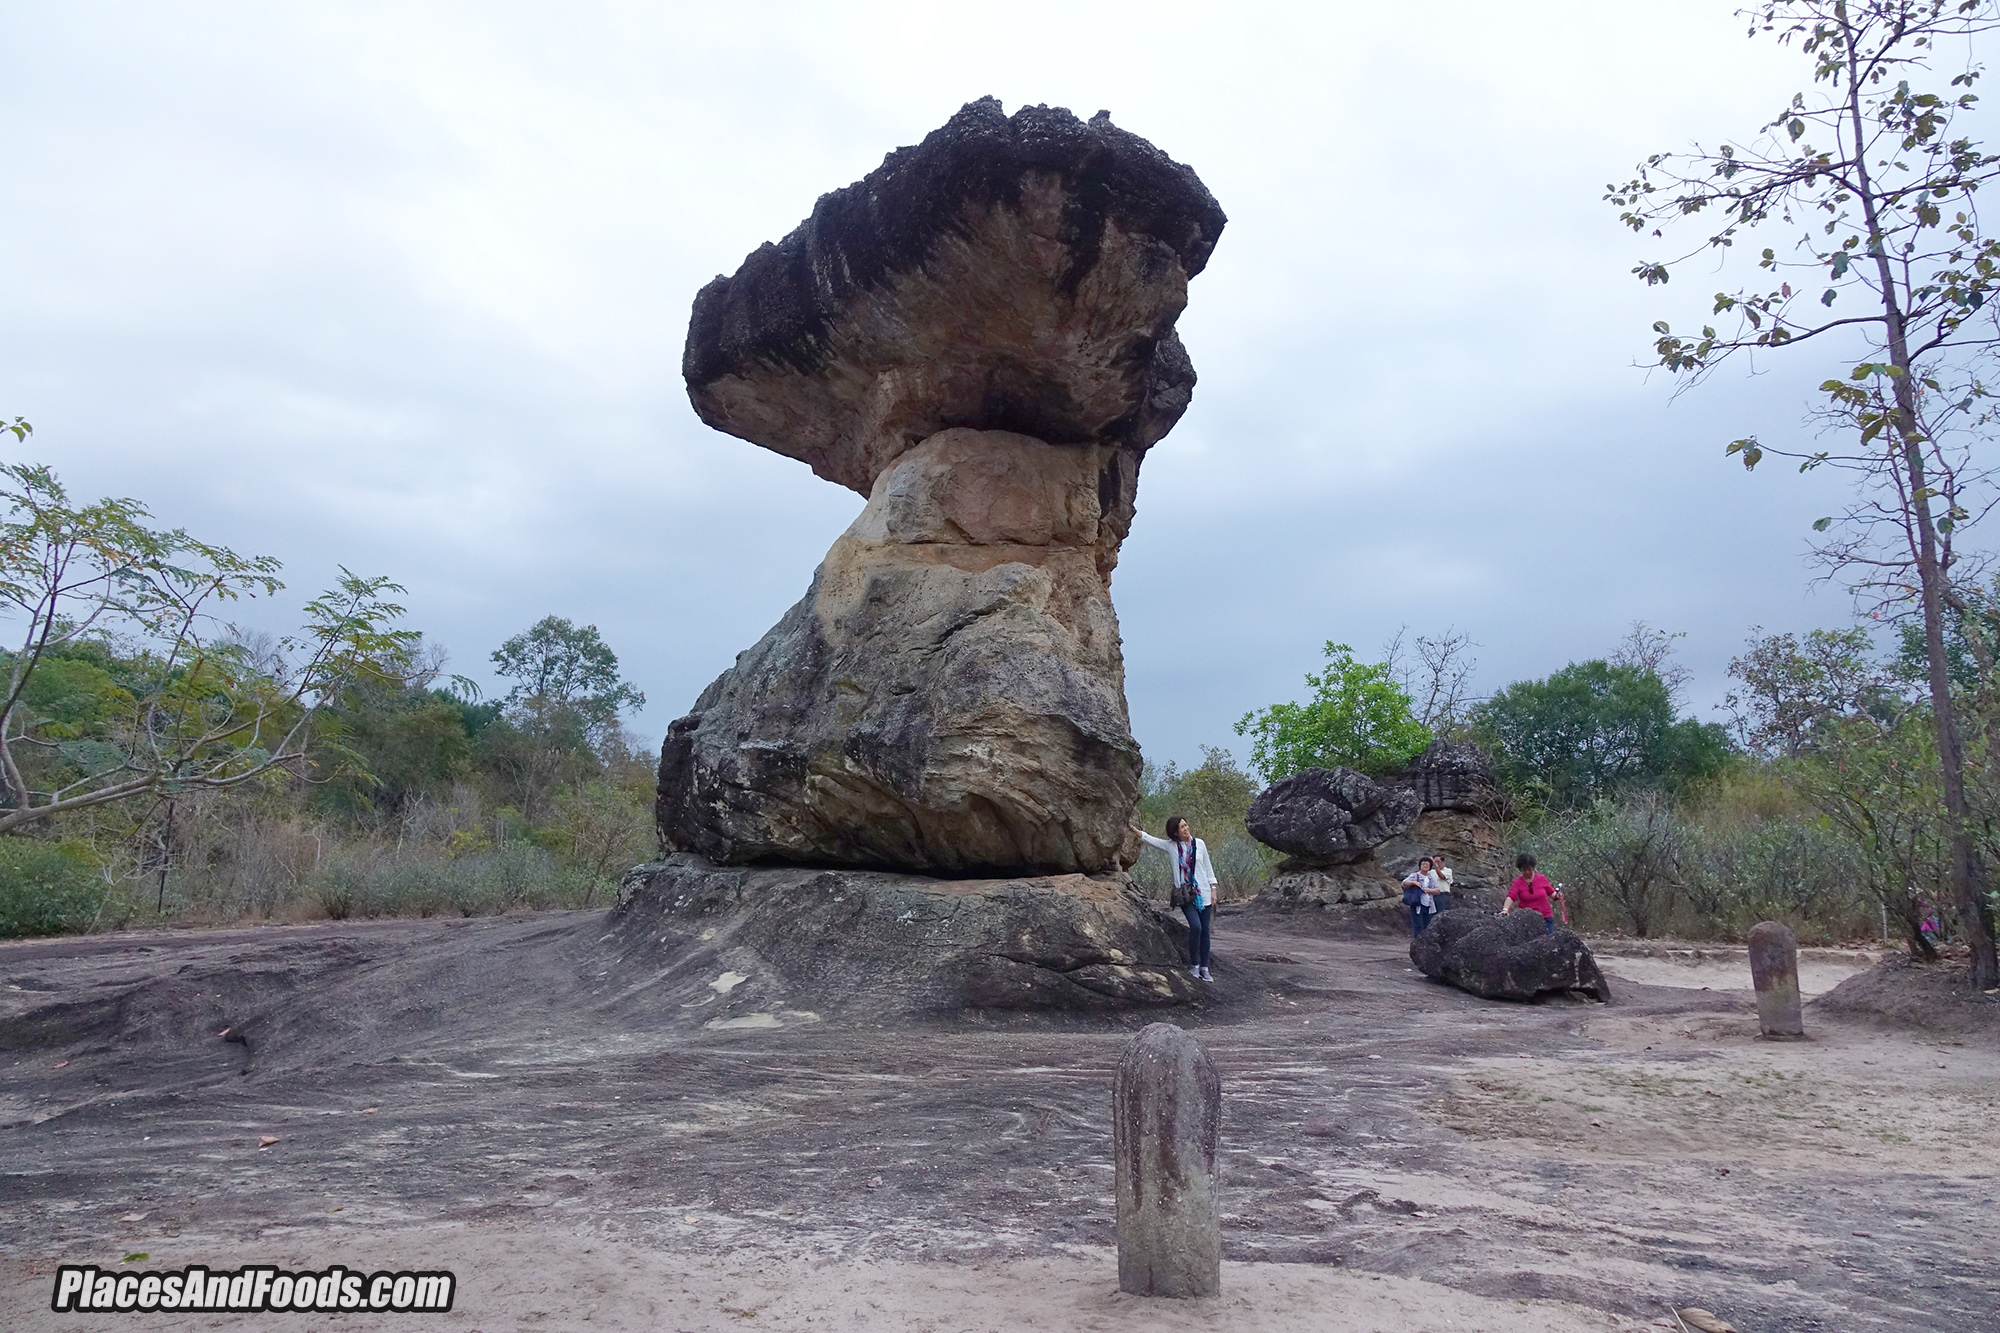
(1019, 274)
(979, 338)
(1447, 776)
(948, 696)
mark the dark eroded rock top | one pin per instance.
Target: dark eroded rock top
(1009, 273)
(1330, 815)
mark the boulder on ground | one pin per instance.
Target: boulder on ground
(1511, 956)
(979, 337)
(1329, 816)
(766, 946)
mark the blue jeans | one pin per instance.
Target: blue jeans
(1420, 918)
(1201, 924)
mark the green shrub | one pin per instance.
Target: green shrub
(1642, 864)
(48, 888)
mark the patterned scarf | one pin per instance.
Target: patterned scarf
(1187, 865)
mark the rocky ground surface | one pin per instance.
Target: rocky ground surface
(492, 1096)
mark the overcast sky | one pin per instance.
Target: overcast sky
(404, 286)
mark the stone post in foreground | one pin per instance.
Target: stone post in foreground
(1774, 970)
(1166, 1116)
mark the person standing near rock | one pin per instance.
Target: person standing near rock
(1419, 896)
(1194, 887)
(1441, 891)
(1533, 892)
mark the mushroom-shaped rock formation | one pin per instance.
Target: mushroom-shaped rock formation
(979, 337)
(1330, 816)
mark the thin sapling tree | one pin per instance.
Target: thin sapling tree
(201, 713)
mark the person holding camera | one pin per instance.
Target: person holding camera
(1534, 893)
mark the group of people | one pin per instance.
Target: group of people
(1427, 890)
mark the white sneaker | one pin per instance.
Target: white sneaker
(1207, 975)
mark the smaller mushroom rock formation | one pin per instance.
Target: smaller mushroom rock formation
(979, 337)
(1330, 816)
(1512, 956)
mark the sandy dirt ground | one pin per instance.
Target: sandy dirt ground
(497, 1098)
(1721, 968)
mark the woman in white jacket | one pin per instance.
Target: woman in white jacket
(1194, 887)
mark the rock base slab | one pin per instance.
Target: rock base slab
(1359, 884)
(771, 946)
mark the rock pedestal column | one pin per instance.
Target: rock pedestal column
(1774, 971)
(1166, 1118)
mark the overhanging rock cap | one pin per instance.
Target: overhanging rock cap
(1009, 273)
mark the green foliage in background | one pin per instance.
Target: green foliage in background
(1592, 730)
(48, 888)
(1860, 200)
(1711, 867)
(177, 706)
(156, 764)
(1357, 716)
(1213, 797)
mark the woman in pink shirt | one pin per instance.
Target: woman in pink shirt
(1534, 893)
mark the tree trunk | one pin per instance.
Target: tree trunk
(1968, 889)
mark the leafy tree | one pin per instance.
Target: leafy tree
(1214, 796)
(1357, 716)
(411, 742)
(1626, 855)
(604, 827)
(557, 667)
(1593, 729)
(1877, 183)
(48, 888)
(1876, 780)
(1794, 687)
(186, 709)
(560, 722)
(1848, 737)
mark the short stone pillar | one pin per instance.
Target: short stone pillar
(1166, 1116)
(1774, 971)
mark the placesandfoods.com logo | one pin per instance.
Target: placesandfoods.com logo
(259, 1288)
